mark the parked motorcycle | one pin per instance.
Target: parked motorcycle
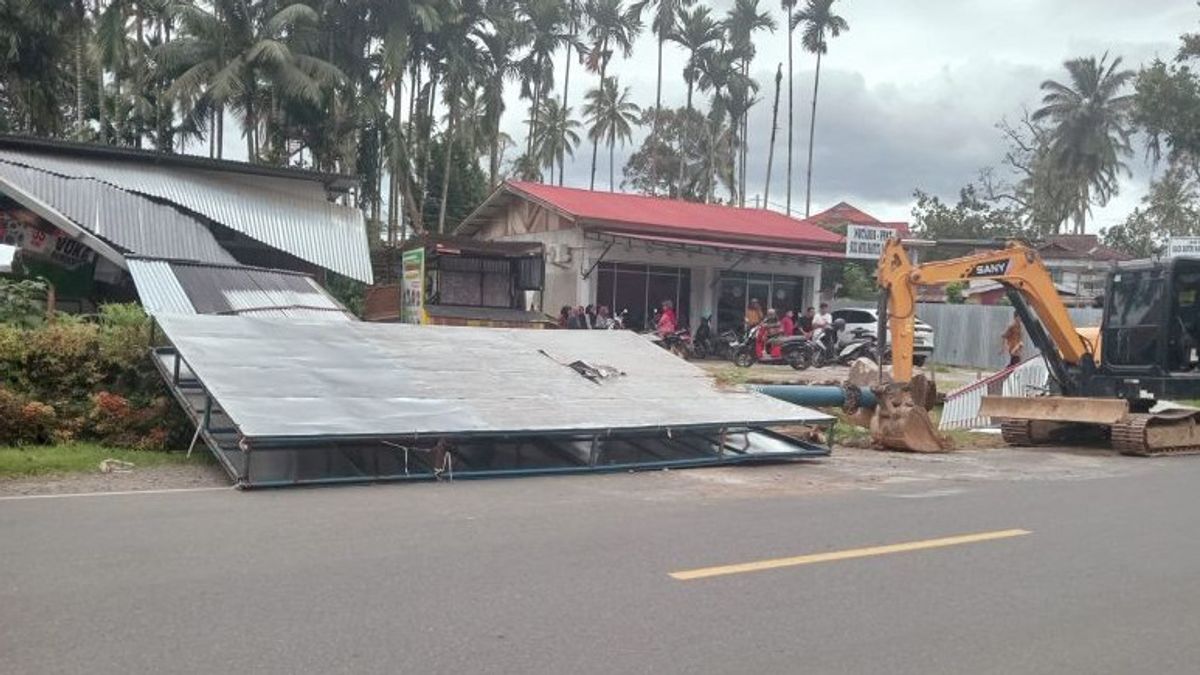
(784, 350)
(678, 343)
(822, 348)
(707, 344)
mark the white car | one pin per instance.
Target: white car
(866, 319)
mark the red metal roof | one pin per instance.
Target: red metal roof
(752, 248)
(658, 215)
(844, 213)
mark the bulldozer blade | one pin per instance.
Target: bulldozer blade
(901, 422)
(1055, 409)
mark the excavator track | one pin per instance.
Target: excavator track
(1017, 432)
(1130, 436)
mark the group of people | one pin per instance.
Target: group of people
(586, 318)
(789, 324)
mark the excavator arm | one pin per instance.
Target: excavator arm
(1017, 267)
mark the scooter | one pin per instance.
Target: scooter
(822, 348)
(783, 350)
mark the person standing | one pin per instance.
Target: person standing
(666, 319)
(1013, 341)
(589, 317)
(823, 318)
(754, 314)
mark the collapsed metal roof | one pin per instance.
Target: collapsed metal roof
(131, 223)
(185, 287)
(291, 214)
(308, 396)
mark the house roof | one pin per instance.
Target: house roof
(844, 212)
(333, 182)
(1079, 247)
(615, 211)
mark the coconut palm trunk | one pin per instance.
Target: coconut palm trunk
(612, 160)
(791, 104)
(448, 151)
(812, 130)
(683, 138)
(774, 128)
(596, 141)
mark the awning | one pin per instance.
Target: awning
(703, 244)
(173, 287)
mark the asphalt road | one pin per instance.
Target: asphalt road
(571, 575)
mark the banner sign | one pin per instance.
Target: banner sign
(1181, 246)
(865, 242)
(412, 288)
(41, 240)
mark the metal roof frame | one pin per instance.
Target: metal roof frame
(336, 183)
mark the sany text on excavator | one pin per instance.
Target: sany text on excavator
(1150, 334)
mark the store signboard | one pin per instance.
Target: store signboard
(864, 242)
(1183, 246)
(412, 287)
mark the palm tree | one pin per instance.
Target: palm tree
(547, 24)
(611, 116)
(241, 55)
(789, 6)
(574, 17)
(742, 21)
(695, 31)
(663, 24)
(820, 24)
(1090, 130)
(558, 136)
(465, 64)
(610, 27)
(506, 36)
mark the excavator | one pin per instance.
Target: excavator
(1150, 334)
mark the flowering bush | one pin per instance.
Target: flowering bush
(73, 379)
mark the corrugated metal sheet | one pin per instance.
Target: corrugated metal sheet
(178, 287)
(279, 380)
(288, 214)
(158, 288)
(130, 222)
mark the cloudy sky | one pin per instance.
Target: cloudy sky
(910, 96)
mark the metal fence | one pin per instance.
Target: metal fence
(969, 335)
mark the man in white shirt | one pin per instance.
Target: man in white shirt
(823, 319)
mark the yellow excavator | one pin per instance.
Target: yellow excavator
(1150, 334)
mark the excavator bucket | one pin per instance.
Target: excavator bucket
(901, 420)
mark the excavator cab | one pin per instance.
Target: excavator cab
(1151, 332)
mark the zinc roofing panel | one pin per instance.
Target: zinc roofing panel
(291, 215)
(281, 379)
(128, 221)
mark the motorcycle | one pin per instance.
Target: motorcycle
(707, 344)
(678, 343)
(822, 348)
(785, 350)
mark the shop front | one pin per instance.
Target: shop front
(630, 253)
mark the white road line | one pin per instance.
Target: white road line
(121, 493)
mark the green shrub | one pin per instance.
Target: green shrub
(75, 379)
(22, 302)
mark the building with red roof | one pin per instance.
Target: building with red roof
(631, 252)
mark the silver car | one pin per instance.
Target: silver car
(866, 319)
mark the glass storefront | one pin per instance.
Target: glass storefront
(737, 289)
(640, 290)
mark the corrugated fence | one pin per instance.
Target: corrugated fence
(969, 335)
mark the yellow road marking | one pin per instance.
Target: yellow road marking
(761, 565)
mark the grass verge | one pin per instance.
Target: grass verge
(40, 460)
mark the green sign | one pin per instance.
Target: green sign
(412, 286)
